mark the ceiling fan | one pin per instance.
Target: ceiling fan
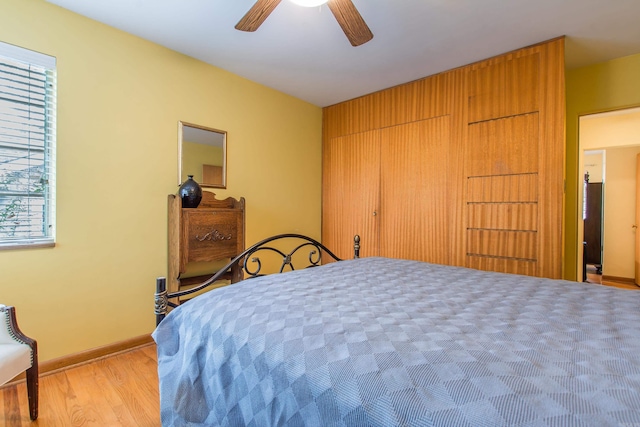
(345, 12)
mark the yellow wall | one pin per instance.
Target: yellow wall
(119, 102)
(601, 87)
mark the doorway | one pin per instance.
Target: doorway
(616, 135)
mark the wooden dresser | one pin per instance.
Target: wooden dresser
(214, 231)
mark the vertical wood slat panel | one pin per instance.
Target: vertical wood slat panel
(503, 146)
(415, 101)
(550, 93)
(503, 142)
(350, 117)
(551, 155)
(457, 88)
(505, 244)
(351, 189)
(414, 221)
(503, 88)
(503, 189)
(419, 100)
(528, 268)
(503, 216)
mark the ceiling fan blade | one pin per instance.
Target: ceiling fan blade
(351, 21)
(256, 15)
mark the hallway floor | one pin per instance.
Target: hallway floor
(594, 277)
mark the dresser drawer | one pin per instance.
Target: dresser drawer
(211, 234)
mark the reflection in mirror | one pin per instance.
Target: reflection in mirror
(203, 154)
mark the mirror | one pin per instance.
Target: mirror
(202, 152)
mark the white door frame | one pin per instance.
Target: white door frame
(587, 142)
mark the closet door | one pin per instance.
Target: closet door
(415, 221)
(351, 193)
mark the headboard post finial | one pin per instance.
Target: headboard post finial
(161, 300)
(356, 246)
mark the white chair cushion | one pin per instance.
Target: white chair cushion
(14, 359)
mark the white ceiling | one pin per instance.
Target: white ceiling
(303, 52)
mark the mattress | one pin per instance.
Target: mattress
(386, 342)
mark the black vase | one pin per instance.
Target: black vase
(190, 192)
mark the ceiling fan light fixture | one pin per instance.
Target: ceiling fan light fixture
(344, 11)
(309, 3)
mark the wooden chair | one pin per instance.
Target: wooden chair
(18, 353)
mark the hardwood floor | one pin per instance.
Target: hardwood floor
(623, 285)
(594, 277)
(118, 390)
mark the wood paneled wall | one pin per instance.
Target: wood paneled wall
(461, 168)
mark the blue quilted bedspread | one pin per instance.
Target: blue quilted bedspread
(381, 342)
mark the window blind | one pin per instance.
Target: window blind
(27, 147)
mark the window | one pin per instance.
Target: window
(27, 147)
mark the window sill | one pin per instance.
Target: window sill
(35, 245)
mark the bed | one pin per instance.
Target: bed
(388, 342)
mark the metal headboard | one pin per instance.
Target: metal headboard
(251, 266)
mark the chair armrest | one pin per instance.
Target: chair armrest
(10, 333)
